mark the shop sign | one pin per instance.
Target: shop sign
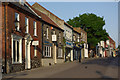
(35, 43)
(54, 38)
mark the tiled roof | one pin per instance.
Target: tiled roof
(46, 18)
(46, 10)
(24, 7)
(77, 30)
(68, 24)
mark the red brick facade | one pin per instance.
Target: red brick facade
(9, 14)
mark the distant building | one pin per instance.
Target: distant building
(83, 41)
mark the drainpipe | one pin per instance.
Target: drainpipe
(5, 38)
(42, 39)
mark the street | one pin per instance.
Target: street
(89, 68)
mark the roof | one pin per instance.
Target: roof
(46, 10)
(77, 30)
(46, 18)
(80, 29)
(68, 24)
(24, 7)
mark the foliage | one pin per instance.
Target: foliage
(82, 42)
(119, 47)
(93, 25)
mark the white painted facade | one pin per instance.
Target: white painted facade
(69, 45)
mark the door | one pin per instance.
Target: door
(27, 55)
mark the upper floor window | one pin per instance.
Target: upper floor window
(26, 24)
(47, 32)
(17, 19)
(74, 38)
(35, 28)
(59, 37)
(78, 39)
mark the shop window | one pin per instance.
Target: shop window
(47, 51)
(60, 52)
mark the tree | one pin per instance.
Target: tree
(93, 25)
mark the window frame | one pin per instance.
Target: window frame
(47, 51)
(27, 25)
(18, 19)
(60, 52)
(16, 39)
(35, 28)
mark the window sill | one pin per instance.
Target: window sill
(16, 63)
(35, 36)
(47, 57)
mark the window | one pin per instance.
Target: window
(78, 39)
(35, 50)
(17, 19)
(47, 32)
(59, 37)
(16, 49)
(47, 51)
(74, 37)
(26, 24)
(60, 52)
(35, 28)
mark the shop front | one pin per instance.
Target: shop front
(69, 51)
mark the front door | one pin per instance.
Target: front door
(27, 55)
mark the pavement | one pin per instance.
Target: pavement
(88, 68)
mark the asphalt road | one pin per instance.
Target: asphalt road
(89, 68)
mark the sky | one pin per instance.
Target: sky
(68, 10)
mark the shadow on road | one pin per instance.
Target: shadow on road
(109, 61)
(102, 75)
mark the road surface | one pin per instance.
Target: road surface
(88, 68)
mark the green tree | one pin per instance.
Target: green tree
(93, 25)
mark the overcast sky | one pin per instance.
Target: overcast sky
(68, 10)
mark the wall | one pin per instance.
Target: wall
(10, 18)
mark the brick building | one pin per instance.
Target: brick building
(52, 41)
(21, 37)
(110, 47)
